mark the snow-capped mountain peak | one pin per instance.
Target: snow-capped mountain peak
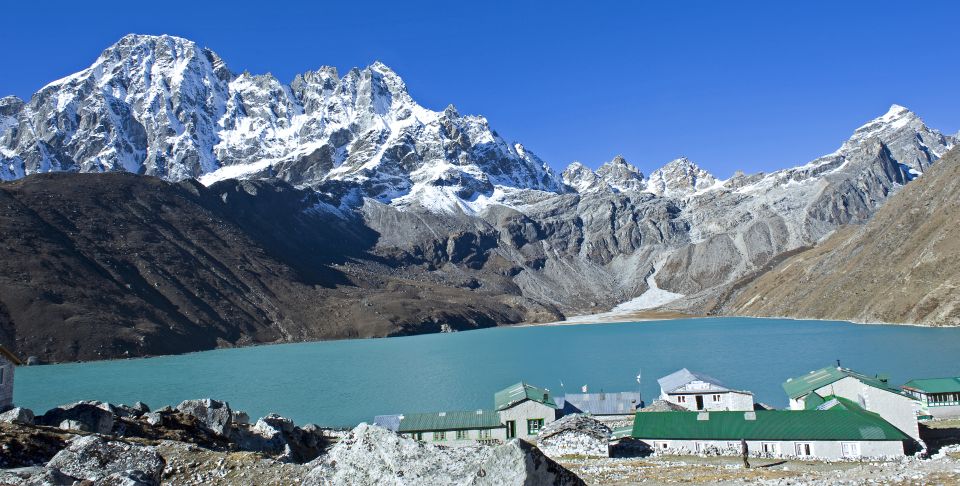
(679, 178)
(583, 180)
(621, 176)
(909, 140)
(162, 105)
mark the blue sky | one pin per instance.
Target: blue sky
(752, 86)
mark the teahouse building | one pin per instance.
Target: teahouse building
(609, 408)
(520, 411)
(695, 391)
(874, 394)
(8, 364)
(524, 409)
(939, 397)
(840, 433)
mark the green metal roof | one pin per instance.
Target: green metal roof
(800, 386)
(834, 424)
(935, 385)
(515, 394)
(621, 432)
(813, 401)
(833, 402)
(458, 420)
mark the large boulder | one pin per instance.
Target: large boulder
(375, 456)
(35, 476)
(575, 435)
(83, 416)
(17, 415)
(109, 462)
(213, 414)
(281, 438)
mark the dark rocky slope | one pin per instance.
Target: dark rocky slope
(111, 265)
(901, 266)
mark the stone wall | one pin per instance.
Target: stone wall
(829, 450)
(574, 443)
(6, 387)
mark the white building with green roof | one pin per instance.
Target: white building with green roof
(939, 397)
(842, 432)
(520, 411)
(873, 393)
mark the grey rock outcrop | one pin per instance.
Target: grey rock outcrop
(18, 415)
(83, 416)
(575, 434)
(213, 414)
(36, 476)
(280, 438)
(372, 455)
(111, 462)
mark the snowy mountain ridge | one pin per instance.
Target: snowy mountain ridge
(163, 106)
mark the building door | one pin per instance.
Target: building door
(511, 429)
(699, 402)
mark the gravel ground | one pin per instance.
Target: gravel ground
(191, 465)
(729, 470)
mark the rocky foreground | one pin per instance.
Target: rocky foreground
(206, 442)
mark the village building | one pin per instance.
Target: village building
(455, 428)
(938, 397)
(8, 364)
(872, 393)
(695, 391)
(525, 409)
(614, 409)
(841, 433)
(575, 435)
(520, 411)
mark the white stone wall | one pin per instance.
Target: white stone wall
(574, 443)
(947, 411)
(897, 409)
(6, 389)
(528, 409)
(473, 437)
(730, 400)
(828, 450)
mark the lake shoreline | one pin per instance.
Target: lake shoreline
(600, 318)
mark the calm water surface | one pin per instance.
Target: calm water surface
(341, 383)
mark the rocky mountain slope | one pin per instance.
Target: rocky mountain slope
(898, 267)
(110, 265)
(361, 213)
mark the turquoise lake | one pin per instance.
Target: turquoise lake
(342, 383)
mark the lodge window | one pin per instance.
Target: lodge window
(534, 426)
(661, 445)
(485, 434)
(463, 434)
(769, 447)
(439, 436)
(418, 435)
(803, 449)
(716, 398)
(682, 399)
(850, 449)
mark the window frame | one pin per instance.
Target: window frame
(530, 422)
(463, 434)
(855, 446)
(439, 435)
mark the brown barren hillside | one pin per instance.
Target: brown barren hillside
(903, 266)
